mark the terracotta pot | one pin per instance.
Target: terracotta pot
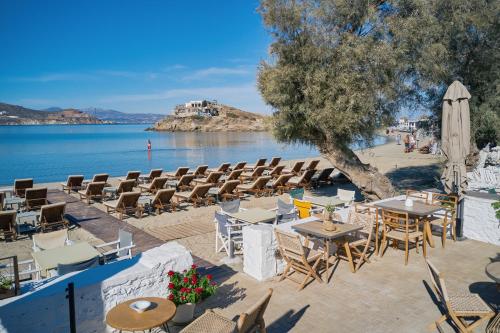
(184, 313)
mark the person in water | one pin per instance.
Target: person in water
(149, 144)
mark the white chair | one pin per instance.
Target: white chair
(50, 240)
(228, 233)
(285, 212)
(346, 196)
(122, 247)
(232, 206)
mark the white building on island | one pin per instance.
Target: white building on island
(202, 108)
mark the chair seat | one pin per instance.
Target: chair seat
(400, 235)
(210, 322)
(245, 187)
(438, 221)
(112, 204)
(145, 186)
(470, 304)
(294, 180)
(184, 195)
(494, 325)
(313, 255)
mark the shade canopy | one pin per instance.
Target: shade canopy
(455, 137)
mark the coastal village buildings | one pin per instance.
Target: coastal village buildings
(203, 108)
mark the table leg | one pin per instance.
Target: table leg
(349, 255)
(165, 327)
(376, 233)
(428, 231)
(327, 258)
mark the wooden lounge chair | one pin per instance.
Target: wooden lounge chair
(323, 177)
(239, 166)
(157, 184)
(8, 224)
(417, 195)
(248, 322)
(20, 186)
(303, 180)
(35, 198)
(132, 175)
(52, 216)
(234, 175)
(154, 173)
(257, 172)
(125, 186)
(197, 196)
(274, 163)
(213, 178)
(258, 187)
(397, 226)
(183, 184)
(199, 172)
(295, 168)
(260, 162)
(280, 185)
(127, 203)
(181, 171)
(93, 191)
(224, 167)
(445, 218)
(163, 200)
(226, 191)
(458, 307)
(74, 183)
(310, 166)
(360, 242)
(100, 177)
(298, 258)
(276, 171)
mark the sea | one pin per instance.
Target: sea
(49, 153)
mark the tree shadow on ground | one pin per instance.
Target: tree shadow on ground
(416, 177)
(225, 296)
(287, 321)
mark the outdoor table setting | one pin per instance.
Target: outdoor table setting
(27, 221)
(110, 190)
(141, 314)
(323, 201)
(11, 201)
(254, 215)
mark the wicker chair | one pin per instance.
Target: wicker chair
(298, 258)
(35, 198)
(8, 224)
(163, 200)
(74, 183)
(258, 187)
(445, 219)
(52, 216)
(458, 307)
(20, 186)
(397, 226)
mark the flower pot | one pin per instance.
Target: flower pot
(184, 313)
(328, 225)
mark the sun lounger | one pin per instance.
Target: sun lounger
(260, 162)
(199, 172)
(197, 196)
(258, 187)
(154, 173)
(163, 200)
(239, 166)
(302, 181)
(224, 167)
(93, 191)
(311, 166)
(127, 203)
(323, 177)
(226, 191)
(234, 175)
(181, 171)
(74, 183)
(8, 224)
(20, 186)
(183, 184)
(274, 163)
(213, 178)
(52, 216)
(257, 172)
(295, 168)
(276, 171)
(100, 177)
(35, 198)
(280, 185)
(131, 175)
(157, 184)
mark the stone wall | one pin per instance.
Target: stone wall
(480, 222)
(97, 290)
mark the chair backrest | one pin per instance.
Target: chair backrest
(100, 177)
(276, 171)
(258, 171)
(126, 186)
(448, 202)
(307, 176)
(222, 222)
(297, 166)
(437, 282)
(53, 213)
(397, 220)
(312, 165)
(20, 186)
(8, 220)
(163, 196)
(223, 167)
(324, 174)
(260, 162)
(365, 220)
(181, 171)
(346, 195)
(185, 180)
(304, 208)
(230, 206)
(74, 181)
(282, 180)
(78, 266)
(296, 193)
(133, 175)
(95, 188)
(200, 170)
(286, 212)
(158, 183)
(239, 166)
(290, 245)
(234, 175)
(254, 317)
(261, 182)
(155, 173)
(2, 200)
(200, 191)
(124, 240)
(50, 240)
(417, 195)
(128, 200)
(228, 187)
(274, 162)
(36, 197)
(214, 177)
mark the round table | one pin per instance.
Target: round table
(493, 272)
(123, 318)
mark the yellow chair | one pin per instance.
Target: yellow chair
(304, 208)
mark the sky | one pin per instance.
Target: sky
(132, 56)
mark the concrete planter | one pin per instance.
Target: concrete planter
(184, 313)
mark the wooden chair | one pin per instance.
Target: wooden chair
(100, 177)
(181, 171)
(74, 183)
(303, 181)
(224, 167)
(234, 175)
(163, 200)
(8, 224)
(447, 217)
(295, 168)
(274, 163)
(281, 185)
(52, 216)
(199, 172)
(260, 162)
(253, 319)
(213, 178)
(127, 203)
(125, 186)
(298, 258)
(323, 177)
(458, 307)
(132, 175)
(92, 192)
(303, 207)
(154, 173)
(239, 166)
(417, 195)
(310, 166)
(361, 242)
(20, 186)
(258, 187)
(197, 196)
(252, 176)
(397, 227)
(35, 198)
(184, 183)
(157, 184)
(276, 171)
(226, 191)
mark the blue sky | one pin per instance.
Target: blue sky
(132, 56)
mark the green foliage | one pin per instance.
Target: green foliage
(5, 282)
(341, 69)
(189, 286)
(496, 207)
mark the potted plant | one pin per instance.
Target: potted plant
(186, 289)
(328, 217)
(5, 286)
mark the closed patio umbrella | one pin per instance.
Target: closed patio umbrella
(455, 137)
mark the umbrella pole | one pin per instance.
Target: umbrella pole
(459, 227)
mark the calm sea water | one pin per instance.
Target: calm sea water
(51, 153)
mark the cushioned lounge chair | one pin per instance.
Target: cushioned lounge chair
(20, 186)
(52, 216)
(251, 176)
(258, 187)
(181, 171)
(131, 175)
(234, 175)
(295, 168)
(127, 203)
(35, 198)
(199, 195)
(280, 185)
(157, 184)
(323, 177)
(154, 173)
(224, 167)
(74, 183)
(276, 171)
(274, 163)
(183, 184)
(163, 200)
(92, 192)
(239, 166)
(8, 224)
(200, 171)
(310, 166)
(213, 178)
(260, 162)
(303, 180)
(226, 191)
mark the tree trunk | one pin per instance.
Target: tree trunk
(367, 178)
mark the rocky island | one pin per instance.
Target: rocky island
(211, 116)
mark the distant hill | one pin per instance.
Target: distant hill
(230, 119)
(18, 115)
(118, 117)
